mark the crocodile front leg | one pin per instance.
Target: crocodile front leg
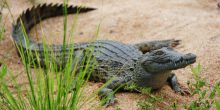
(153, 45)
(173, 82)
(107, 94)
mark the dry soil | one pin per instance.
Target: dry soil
(195, 22)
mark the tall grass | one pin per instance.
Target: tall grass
(2, 29)
(48, 88)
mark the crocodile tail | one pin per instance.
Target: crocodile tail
(34, 15)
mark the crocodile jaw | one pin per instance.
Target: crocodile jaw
(165, 59)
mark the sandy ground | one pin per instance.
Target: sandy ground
(195, 22)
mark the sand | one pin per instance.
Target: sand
(195, 22)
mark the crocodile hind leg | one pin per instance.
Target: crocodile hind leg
(153, 45)
(173, 82)
(107, 94)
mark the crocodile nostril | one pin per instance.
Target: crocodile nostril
(190, 56)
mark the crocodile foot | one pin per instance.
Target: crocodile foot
(110, 101)
(182, 90)
(107, 97)
(172, 80)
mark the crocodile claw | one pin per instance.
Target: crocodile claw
(184, 91)
(176, 86)
(181, 90)
(174, 43)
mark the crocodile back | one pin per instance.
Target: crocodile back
(114, 59)
(106, 49)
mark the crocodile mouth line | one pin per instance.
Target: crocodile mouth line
(184, 62)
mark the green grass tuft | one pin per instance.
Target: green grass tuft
(48, 88)
(2, 28)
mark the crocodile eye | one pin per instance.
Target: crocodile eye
(132, 69)
(159, 53)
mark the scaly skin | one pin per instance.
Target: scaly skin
(147, 64)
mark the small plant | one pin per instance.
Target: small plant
(198, 88)
(199, 82)
(217, 103)
(151, 102)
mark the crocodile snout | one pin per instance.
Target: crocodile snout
(190, 58)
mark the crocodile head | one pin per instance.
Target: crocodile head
(165, 59)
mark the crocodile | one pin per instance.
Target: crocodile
(146, 64)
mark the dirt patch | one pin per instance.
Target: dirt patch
(195, 22)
